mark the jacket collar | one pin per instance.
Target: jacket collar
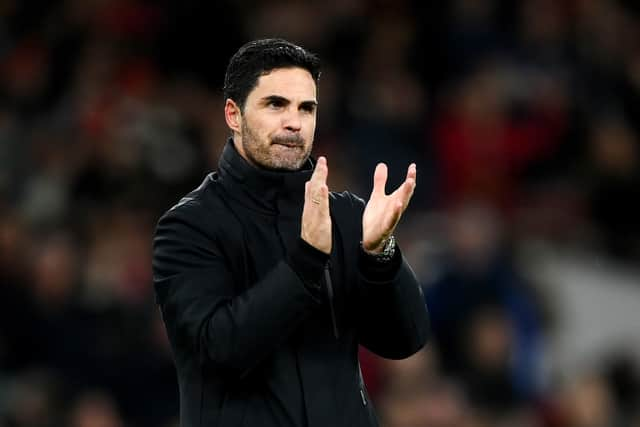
(262, 189)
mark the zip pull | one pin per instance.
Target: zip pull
(327, 279)
(361, 386)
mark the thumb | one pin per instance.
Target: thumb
(379, 180)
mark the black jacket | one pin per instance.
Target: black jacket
(265, 328)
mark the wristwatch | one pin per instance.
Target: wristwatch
(387, 252)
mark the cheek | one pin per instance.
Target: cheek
(258, 127)
(310, 126)
(268, 126)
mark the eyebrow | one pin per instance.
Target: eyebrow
(309, 104)
(282, 99)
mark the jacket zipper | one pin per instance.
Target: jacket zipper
(361, 386)
(327, 279)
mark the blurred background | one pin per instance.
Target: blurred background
(523, 118)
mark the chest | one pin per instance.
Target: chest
(256, 242)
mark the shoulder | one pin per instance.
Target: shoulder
(188, 235)
(195, 212)
(197, 198)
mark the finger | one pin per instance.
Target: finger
(320, 173)
(412, 172)
(324, 198)
(410, 182)
(309, 203)
(405, 191)
(307, 192)
(316, 197)
(312, 187)
(379, 180)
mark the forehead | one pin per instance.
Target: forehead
(290, 83)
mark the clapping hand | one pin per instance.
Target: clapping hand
(382, 213)
(316, 220)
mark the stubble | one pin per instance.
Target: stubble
(283, 152)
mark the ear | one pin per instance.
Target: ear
(233, 115)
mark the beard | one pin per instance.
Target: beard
(282, 152)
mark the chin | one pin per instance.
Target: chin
(287, 166)
(288, 158)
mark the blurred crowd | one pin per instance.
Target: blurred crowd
(524, 120)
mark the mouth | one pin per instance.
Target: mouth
(289, 142)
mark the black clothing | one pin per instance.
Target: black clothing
(264, 327)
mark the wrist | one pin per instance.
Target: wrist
(384, 251)
(375, 269)
(374, 249)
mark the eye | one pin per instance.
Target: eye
(275, 103)
(308, 108)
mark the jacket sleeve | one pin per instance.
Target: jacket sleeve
(204, 315)
(393, 321)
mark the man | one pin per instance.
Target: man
(268, 282)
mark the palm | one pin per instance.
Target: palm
(382, 213)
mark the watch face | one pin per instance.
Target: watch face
(390, 247)
(388, 251)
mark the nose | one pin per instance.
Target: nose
(291, 120)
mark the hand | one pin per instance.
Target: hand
(316, 221)
(382, 213)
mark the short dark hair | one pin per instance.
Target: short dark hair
(258, 58)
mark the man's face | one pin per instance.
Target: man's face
(278, 122)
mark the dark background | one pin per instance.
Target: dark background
(523, 118)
